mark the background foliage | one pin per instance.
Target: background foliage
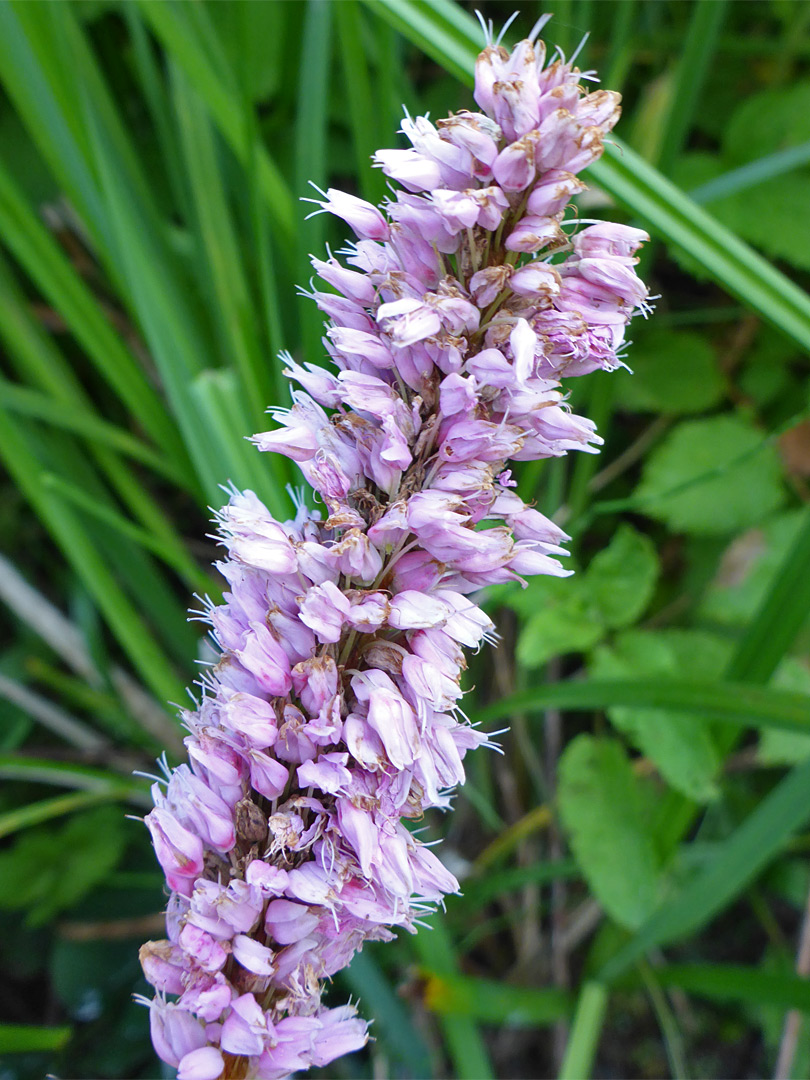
(635, 874)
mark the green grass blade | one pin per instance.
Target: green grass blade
(34, 354)
(63, 52)
(363, 115)
(173, 554)
(728, 260)
(492, 1002)
(732, 703)
(52, 716)
(440, 29)
(620, 57)
(127, 561)
(80, 421)
(392, 1020)
(464, 1043)
(44, 261)
(265, 256)
(171, 24)
(736, 982)
(310, 155)
(668, 1025)
(479, 890)
(586, 1031)
(29, 1039)
(737, 862)
(67, 774)
(152, 82)
(698, 50)
(225, 277)
(36, 84)
(755, 172)
(23, 817)
(158, 300)
(219, 406)
(84, 557)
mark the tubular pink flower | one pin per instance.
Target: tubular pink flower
(332, 717)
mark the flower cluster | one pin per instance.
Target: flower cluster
(333, 717)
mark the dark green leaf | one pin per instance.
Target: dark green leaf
(673, 373)
(621, 578)
(684, 753)
(711, 477)
(740, 859)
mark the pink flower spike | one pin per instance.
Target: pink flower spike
(332, 717)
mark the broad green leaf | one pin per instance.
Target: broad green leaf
(779, 617)
(601, 809)
(684, 753)
(711, 477)
(493, 1002)
(46, 871)
(85, 974)
(739, 860)
(769, 129)
(748, 569)
(767, 373)
(568, 625)
(573, 614)
(768, 120)
(674, 372)
(621, 578)
(755, 172)
(30, 1039)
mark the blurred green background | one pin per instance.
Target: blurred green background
(635, 864)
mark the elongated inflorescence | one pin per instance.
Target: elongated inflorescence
(332, 720)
